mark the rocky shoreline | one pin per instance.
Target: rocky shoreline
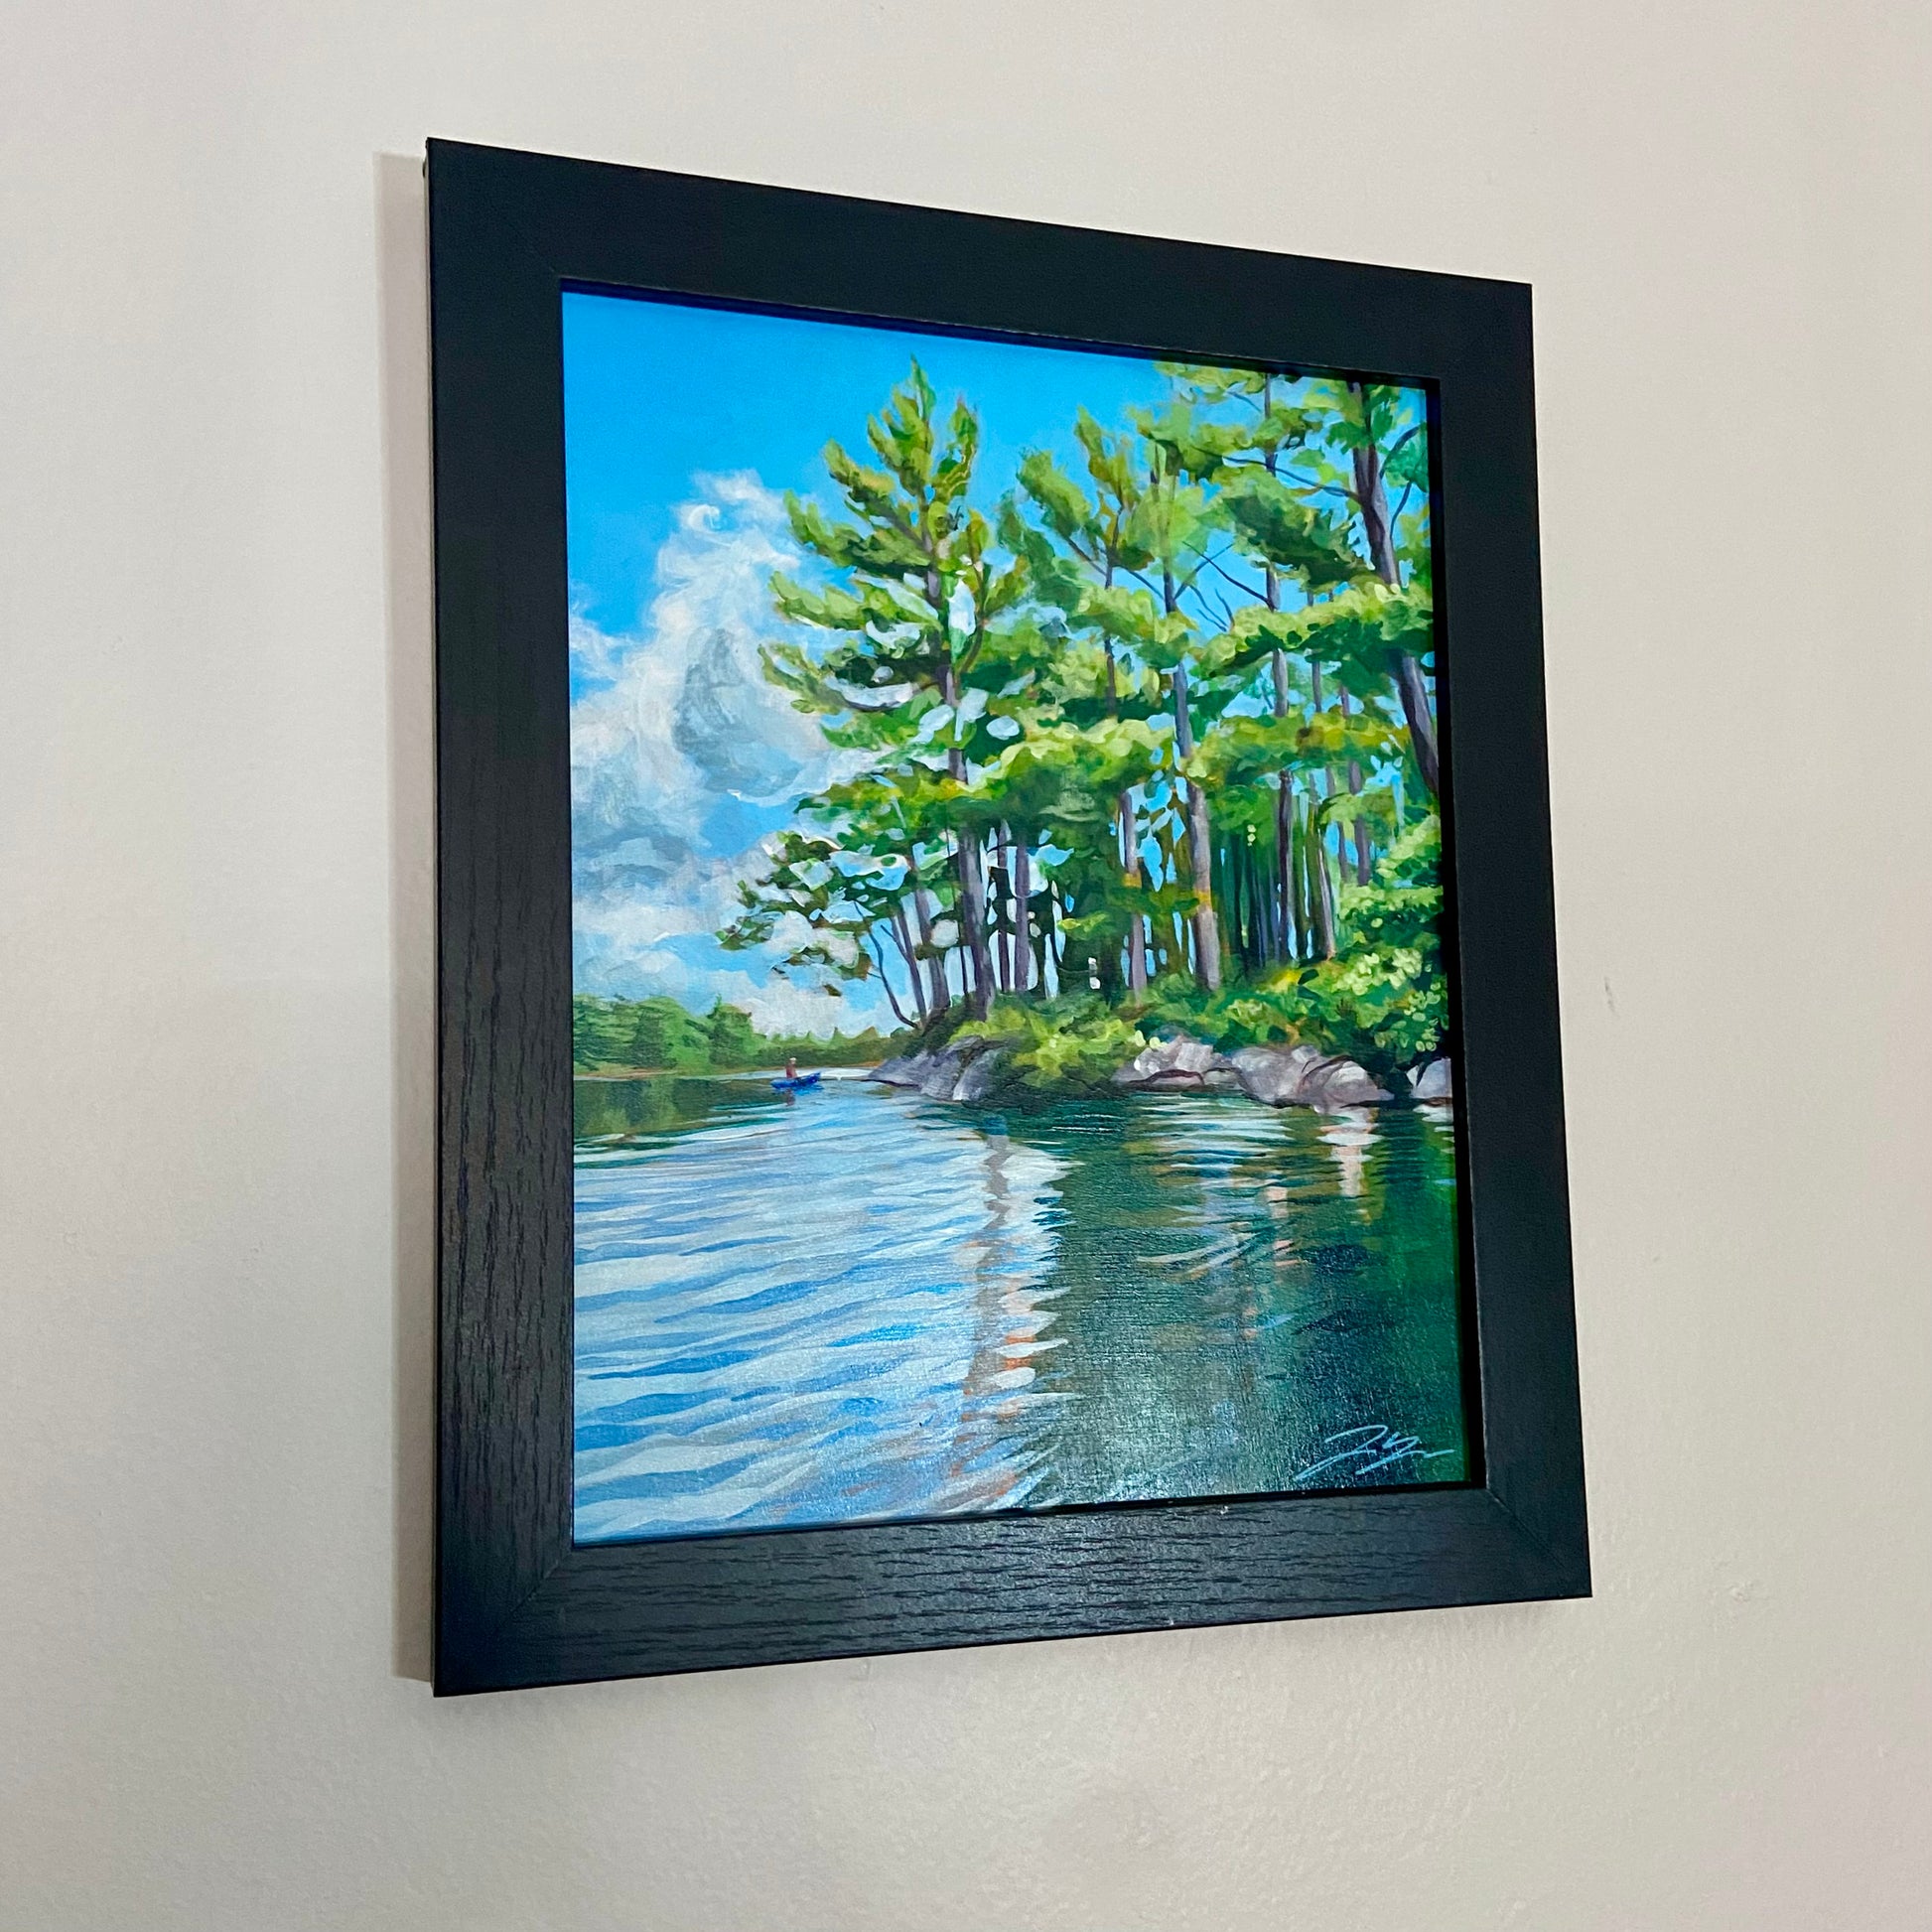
(1274, 1076)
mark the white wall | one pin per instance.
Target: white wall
(215, 947)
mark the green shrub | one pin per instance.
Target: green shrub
(1067, 1045)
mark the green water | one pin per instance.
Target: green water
(862, 1305)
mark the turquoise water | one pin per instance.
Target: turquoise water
(860, 1305)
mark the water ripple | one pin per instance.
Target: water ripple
(864, 1305)
(831, 1307)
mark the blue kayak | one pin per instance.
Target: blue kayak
(798, 1086)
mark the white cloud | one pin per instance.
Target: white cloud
(684, 758)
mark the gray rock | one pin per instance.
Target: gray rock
(1275, 1075)
(942, 1073)
(1301, 1077)
(1431, 1080)
(961, 1071)
(1338, 1083)
(1178, 1062)
(976, 1082)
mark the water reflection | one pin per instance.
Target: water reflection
(870, 1306)
(1349, 1133)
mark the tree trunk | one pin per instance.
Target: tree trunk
(1002, 896)
(1359, 830)
(1169, 941)
(977, 965)
(1299, 874)
(935, 966)
(1416, 714)
(1023, 929)
(966, 851)
(1251, 926)
(1284, 809)
(1228, 897)
(1271, 592)
(1233, 896)
(1325, 896)
(1372, 498)
(1200, 855)
(1129, 838)
(1287, 938)
(1266, 869)
(1261, 877)
(886, 980)
(1130, 843)
(972, 892)
(903, 934)
(1331, 883)
(1322, 905)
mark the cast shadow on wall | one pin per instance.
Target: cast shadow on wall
(403, 358)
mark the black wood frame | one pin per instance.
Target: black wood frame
(517, 1604)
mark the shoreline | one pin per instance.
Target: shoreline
(967, 1073)
(974, 1070)
(621, 1074)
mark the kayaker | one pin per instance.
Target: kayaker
(791, 1066)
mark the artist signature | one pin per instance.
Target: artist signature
(1374, 1446)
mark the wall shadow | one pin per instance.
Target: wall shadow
(402, 288)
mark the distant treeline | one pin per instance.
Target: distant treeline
(660, 1035)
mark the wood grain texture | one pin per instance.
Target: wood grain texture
(517, 1604)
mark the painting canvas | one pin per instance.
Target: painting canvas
(1012, 1034)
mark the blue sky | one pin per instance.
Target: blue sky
(683, 427)
(656, 393)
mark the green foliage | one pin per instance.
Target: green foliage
(1352, 632)
(1246, 1014)
(732, 1039)
(865, 1048)
(659, 1036)
(1383, 1000)
(1279, 528)
(1176, 675)
(594, 1041)
(1385, 1007)
(637, 1032)
(1067, 1045)
(668, 1036)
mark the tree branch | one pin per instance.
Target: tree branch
(1247, 588)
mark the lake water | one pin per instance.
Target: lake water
(860, 1304)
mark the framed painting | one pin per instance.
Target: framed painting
(999, 1063)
